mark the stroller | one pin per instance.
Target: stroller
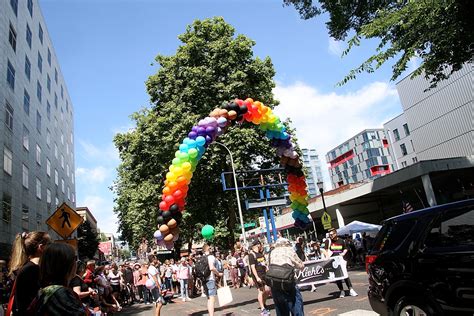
(166, 295)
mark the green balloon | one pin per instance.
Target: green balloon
(207, 232)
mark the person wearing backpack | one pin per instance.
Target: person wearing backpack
(336, 246)
(280, 276)
(57, 268)
(208, 273)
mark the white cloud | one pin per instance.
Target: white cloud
(335, 47)
(325, 120)
(102, 210)
(413, 64)
(95, 175)
(106, 153)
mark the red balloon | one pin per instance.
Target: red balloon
(178, 194)
(169, 199)
(164, 206)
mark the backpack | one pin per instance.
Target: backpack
(280, 277)
(202, 268)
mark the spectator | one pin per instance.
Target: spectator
(183, 277)
(89, 276)
(174, 278)
(85, 293)
(210, 288)
(286, 301)
(139, 281)
(167, 275)
(24, 266)
(154, 275)
(337, 247)
(57, 268)
(258, 268)
(115, 278)
(299, 248)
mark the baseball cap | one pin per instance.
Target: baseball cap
(256, 242)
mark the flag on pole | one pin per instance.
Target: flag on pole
(406, 207)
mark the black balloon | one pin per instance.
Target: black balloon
(178, 216)
(174, 209)
(166, 215)
(240, 117)
(234, 107)
(160, 220)
(243, 109)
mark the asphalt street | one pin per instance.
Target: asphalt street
(325, 301)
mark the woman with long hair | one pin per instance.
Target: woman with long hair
(57, 269)
(24, 267)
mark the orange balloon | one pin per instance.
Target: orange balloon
(172, 223)
(168, 238)
(166, 191)
(164, 229)
(232, 115)
(175, 231)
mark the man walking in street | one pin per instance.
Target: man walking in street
(210, 287)
(337, 247)
(258, 268)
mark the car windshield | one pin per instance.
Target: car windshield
(392, 235)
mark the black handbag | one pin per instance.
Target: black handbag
(280, 277)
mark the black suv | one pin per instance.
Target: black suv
(422, 263)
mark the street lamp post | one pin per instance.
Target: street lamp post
(236, 191)
(320, 185)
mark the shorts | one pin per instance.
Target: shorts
(260, 286)
(210, 288)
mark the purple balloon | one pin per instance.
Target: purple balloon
(192, 135)
(208, 139)
(210, 130)
(201, 131)
(195, 128)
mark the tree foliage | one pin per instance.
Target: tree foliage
(211, 65)
(87, 240)
(440, 32)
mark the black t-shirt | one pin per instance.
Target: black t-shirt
(77, 281)
(27, 287)
(128, 275)
(337, 246)
(258, 260)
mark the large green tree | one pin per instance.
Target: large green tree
(212, 65)
(87, 241)
(440, 32)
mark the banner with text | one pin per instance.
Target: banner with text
(321, 271)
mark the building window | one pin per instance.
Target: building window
(56, 75)
(62, 138)
(55, 150)
(28, 35)
(25, 176)
(414, 159)
(27, 68)
(48, 110)
(25, 217)
(62, 93)
(38, 154)
(62, 161)
(48, 196)
(14, 5)
(49, 57)
(38, 122)
(48, 138)
(40, 63)
(39, 221)
(11, 76)
(403, 148)
(404, 164)
(407, 131)
(30, 7)
(56, 201)
(39, 90)
(56, 177)
(48, 83)
(7, 160)
(7, 208)
(38, 188)
(67, 170)
(63, 189)
(40, 33)
(26, 138)
(396, 135)
(48, 167)
(9, 116)
(12, 37)
(68, 194)
(55, 100)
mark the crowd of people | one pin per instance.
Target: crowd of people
(45, 278)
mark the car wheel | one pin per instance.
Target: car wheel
(413, 306)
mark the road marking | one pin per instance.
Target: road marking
(361, 273)
(361, 299)
(322, 311)
(359, 312)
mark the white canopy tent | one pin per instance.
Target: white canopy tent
(357, 227)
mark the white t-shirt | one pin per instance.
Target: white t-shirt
(152, 271)
(233, 261)
(212, 263)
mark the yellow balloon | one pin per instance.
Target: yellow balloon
(186, 166)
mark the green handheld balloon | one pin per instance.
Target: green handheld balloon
(207, 232)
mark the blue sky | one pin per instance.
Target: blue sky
(106, 49)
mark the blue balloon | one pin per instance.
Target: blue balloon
(200, 141)
(183, 148)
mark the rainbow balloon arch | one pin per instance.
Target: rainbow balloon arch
(193, 147)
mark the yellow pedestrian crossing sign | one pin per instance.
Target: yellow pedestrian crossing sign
(326, 220)
(64, 221)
